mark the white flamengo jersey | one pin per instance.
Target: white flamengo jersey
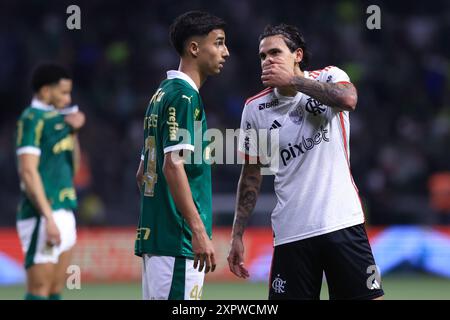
(315, 190)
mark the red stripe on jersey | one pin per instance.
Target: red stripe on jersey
(259, 95)
(344, 136)
(344, 82)
(315, 73)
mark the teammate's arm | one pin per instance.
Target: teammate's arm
(140, 175)
(173, 169)
(341, 95)
(76, 153)
(76, 121)
(247, 193)
(34, 188)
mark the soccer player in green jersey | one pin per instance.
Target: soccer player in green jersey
(47, 153)
(174, 231)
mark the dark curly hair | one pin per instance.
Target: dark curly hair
(292, 37)
(193, 23)
(48, 73)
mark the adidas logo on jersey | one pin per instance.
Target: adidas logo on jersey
(375, 285)
(275, 125)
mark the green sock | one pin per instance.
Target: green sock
(30, 296)
(54, 296)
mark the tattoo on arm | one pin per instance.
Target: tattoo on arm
(337, 95)
(247, 194)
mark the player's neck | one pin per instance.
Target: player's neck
(42, 99)
(192, 72)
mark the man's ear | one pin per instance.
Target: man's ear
(298, 55)
(44, 91)
(193, 48)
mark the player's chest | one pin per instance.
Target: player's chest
(295, 121)
(55, 134)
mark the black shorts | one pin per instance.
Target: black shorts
(344, 255)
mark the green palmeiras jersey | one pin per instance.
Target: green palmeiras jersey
(41, 130)
(175, 120)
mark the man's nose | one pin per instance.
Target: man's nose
(226, 53)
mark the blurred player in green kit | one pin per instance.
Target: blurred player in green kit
(47, 151)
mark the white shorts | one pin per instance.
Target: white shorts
(170, 278)
(33, 237)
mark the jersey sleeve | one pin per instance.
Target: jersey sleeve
(248, 144)
(335, 75)
(178, 122)
(29, 134)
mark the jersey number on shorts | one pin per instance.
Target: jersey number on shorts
(150, 176)
(196, 294)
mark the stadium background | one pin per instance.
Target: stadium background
(400, 132)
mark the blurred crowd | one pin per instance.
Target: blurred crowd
(400, 131)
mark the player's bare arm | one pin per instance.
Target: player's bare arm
(140, 175)
(247, 193)
(34, 188)
(76, 121)
(76, 153)
(338, 95)
(173, 169)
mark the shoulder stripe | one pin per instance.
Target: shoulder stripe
(259, 95)
(317, 72)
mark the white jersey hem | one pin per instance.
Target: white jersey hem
(320, 232)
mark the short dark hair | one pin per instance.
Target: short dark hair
(292, 37)
(48, 74)
(193, 23)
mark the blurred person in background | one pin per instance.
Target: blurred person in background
(318, 222)
(48, 152)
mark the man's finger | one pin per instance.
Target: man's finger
(208, 263)
(196, 261)
(232, 265)
(202, 263)
(235, 270)
(213, 263)
(243, 270)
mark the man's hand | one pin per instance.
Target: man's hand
(236, 258)
(52, 232)
(203, 252)
(75, 120)
(276, 73)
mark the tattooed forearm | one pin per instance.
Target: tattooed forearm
(247, 193)
(337, 95)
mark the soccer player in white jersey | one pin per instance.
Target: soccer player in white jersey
(318, 222)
